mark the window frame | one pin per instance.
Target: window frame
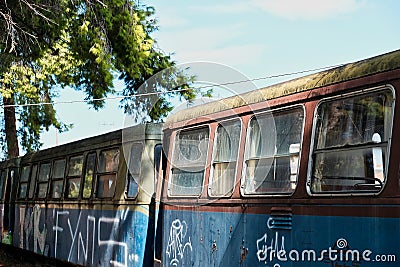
(100, 174)
(173, 166)
(40, 182)
(130, 176)
(32, 181)
(84, 175)
(24, 182)
(159, 162)
(69, 177)
(3, 183)
(231, 121)
(358, 93)
(299, 152)
(57, 179)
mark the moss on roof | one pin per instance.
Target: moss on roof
(381, 63)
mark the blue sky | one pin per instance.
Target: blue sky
(258, 38)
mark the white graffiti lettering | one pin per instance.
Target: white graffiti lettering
(57, 228)
(29, 225)
(78, 240)
(111, 243)
(21, 226)
(85, 237)
(267, 252)
(39, 237)
(176, 242)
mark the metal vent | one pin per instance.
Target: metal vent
(280, 219)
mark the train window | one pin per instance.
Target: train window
(158, 162)
(272, 152)
(225, 158)
(108, 167)
(351, 144)
(32, 181)
(23, 186)
(89, 172)
(2, 183)
(73, 183)
(43, 180)
(57, 178)
(135, 161)
(188, 162)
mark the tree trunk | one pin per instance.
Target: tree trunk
(10, 128)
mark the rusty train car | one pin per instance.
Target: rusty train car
(88, 202)
(302, 173)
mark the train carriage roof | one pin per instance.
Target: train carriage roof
(374, 65)
(14, 162)
(117, 137)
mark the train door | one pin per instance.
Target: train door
(153, 248)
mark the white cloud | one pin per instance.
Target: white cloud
(223, 44)
(231, 8)
(289, 9)
(230, 55)
(170, 18)
(307, 9)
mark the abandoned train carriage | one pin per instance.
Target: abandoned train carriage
(79, 203)
(303, 173)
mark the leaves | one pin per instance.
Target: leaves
(86, 45)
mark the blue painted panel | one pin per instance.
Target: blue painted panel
(201, 239)
(232, 239)
(87, 237)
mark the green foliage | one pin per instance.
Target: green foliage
(30, 26)
(88, 184)
(34, 82)
(84, 45)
